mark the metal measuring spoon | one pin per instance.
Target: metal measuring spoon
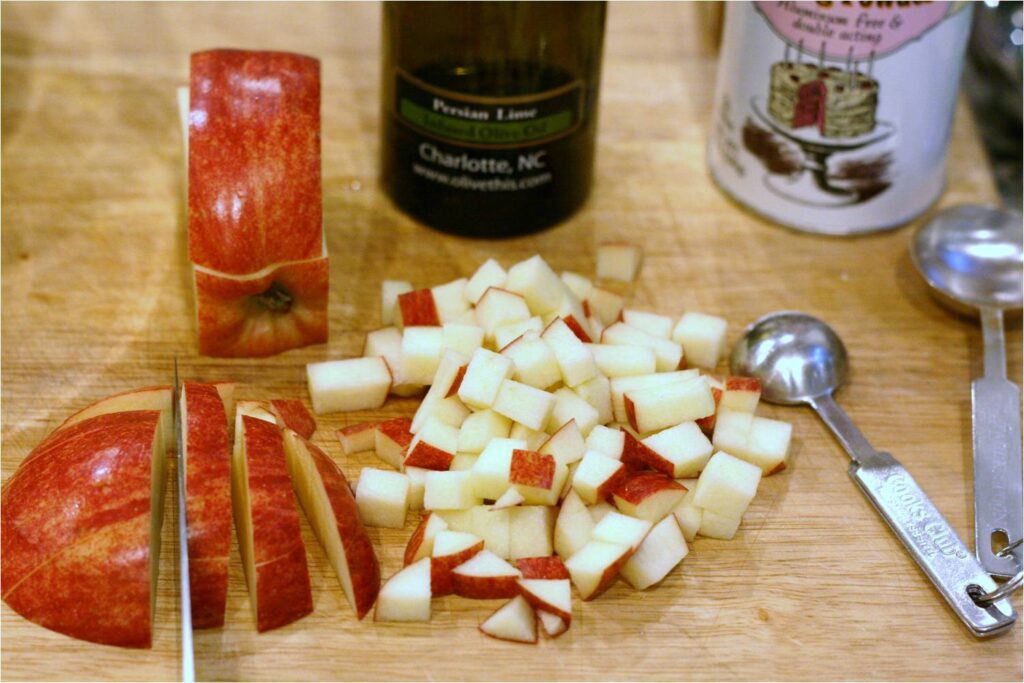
(972, 257)
(800, 359)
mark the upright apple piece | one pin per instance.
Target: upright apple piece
(462, 337)
(607, 441)
(71, 549)
(620, 360)
(509, 499)
(479, 428)
(662, 549)
(680, 451)
(635, 454)
(507, 333)
(292, 414)
(514, 621)
(620, 386)
(386, 342)
(498, 307)
(604, 305)
(578, 284)
(267, 522)
(391, 439)
(260, 269)
(421, 543)
(707, 423)
(657, 408)
(346, 385)
(417, 477)
(331, 509)
(148, 398)
(570, 406)
(537, 283)
(382, 498)
(618, 261)
(449, 491)
(451, 367)
(757, 440)
(597, 476)
(483, 378)
(390, 290)
(668, 354)
(524, 404)
(494, 526)
(490, 474)
(597, 391)
(207, 458)
(575, 361)
(648, 495)
(530, 530)
(732, 431)
(620, 529)
(422, 348)
(653, 324)
(450, 300)
(573, 527)
(489, 274)
(418, 308)
(741, 394)
(703, 337)
(357, 438)
(714, 525)
(486, 576)
(552, 624)
(451, 549)
(406, 595)
(434, 447)
(687, 514)
(566, 445)
(593, 567)
(727, 485)
(533, 361)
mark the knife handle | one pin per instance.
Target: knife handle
(931, 541)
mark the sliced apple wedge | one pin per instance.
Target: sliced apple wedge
(514, 621)
(648, 495)
(485, 576)
(267, 523)
(292, 414)
(147, 398)
(451, 548)
(90, 570)
(550, 595)
(421, 543)
(406, 595)
(552, 624)
(330, 507)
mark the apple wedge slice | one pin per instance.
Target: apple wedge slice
(406, 595)
(514, 621)
(292, 414)
(451, 548)
(485, 576)
(552, 624)
(147, 398)
(648, 495)
(267, 523)
(206, 455)
(330, 507)
(80, 529)
(550, 595)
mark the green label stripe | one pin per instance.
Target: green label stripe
(485, 132)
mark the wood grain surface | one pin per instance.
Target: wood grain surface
(95, 301)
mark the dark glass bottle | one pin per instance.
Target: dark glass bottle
(489, 111)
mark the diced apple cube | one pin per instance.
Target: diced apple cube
(421, 543)
(346, 385)
(382, 498)
(530, 531)
(714, 525)
(450, 410)
(449, 491)
(727, 485)
(573, 527)
(498, 307)
(575, 361)
(357, 438)
(595, 566)
(653, 324)
(687, 514)
(491, 472)
(534, 438)
(599, 510)
(703, 337)
(566, 445)
(682, 451)
(668, 354)
(620, 360)
(732, 430)
(524, 404)
(597, 391)
(606, 441)
(462, 338)
(533, 360)
(434, 447)
(484, 376)
(479, 428)
(663, 549)
(389, 292)
(449, 369)
(506, 334)
(741, 394)
(768, 444)
(387, 343)
(618, 261)
(514, 621)
(657, 408)
(647, 495)
(417, 308)
(417, 482)
(622, 385)
(451, 548)
(391, 439)
(422, 348)
(570, 406)
(621, 529)
(604, 305)
(489, 274)
(494, 526)
(596, 477)
(450, 300)
(578, 284)
(486, 576)
(406, 595)
(537, 283)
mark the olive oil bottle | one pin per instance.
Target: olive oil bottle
(489, 111)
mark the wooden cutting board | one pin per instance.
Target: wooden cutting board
(95, 301)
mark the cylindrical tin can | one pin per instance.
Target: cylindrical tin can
(835, 117)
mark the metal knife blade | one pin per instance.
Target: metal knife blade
(188, 669)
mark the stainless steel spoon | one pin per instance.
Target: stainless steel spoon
(800, 359)
(971, 256)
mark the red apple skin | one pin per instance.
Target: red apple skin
(416, 540)
(254, 196)
(120, 402)
(639, 486)
(429, 457)
(441, 580)
(397, 430)
(74, 530)
(530, 468)
(538, 604)
(737, 383)
(457, 382)
(612, 483)
(207, 502)
(707, 424)
(282, 587)
(292, 414)
(610, 574)
(542, 567)
(577, 329)
(234, 321)
(485, 587)
(418, 308)
(363, 567)
(635, 453)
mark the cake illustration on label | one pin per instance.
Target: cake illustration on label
(840, 104)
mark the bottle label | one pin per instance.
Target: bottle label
(488, 122)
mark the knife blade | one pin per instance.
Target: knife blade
(188, 669)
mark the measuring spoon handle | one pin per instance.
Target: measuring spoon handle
(922, 529)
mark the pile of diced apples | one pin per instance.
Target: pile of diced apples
(564, 439)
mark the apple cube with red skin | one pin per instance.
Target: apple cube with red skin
(498, 307)
(566, 445)
(357, 438)
(575, 362)
(551, 595)
(451, 548)
(433, 448)
(417, 308)
(390, 290)
(618, 261)
(597, 476)
(491, 472)
(391, 439)
(679, 451)
(662, 549)
(421, 543)
(537, 283)
(406, 595)
(451, 365)
(483, 378)
(727, 485)
(741, 394)
(206, 454)
(386, 342)
(647, 495)
(542, 567)
(485, 576)
(621, 529)
(524, 404)
(514, 621)
(382, 498)
(71, 549)
(595, 566)
(620, 386)
(347, 385)
(703, 337)
(660, 407)
(331, 509)
(292, 414)
(267, 522)
(635, 454)
(668, 354)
